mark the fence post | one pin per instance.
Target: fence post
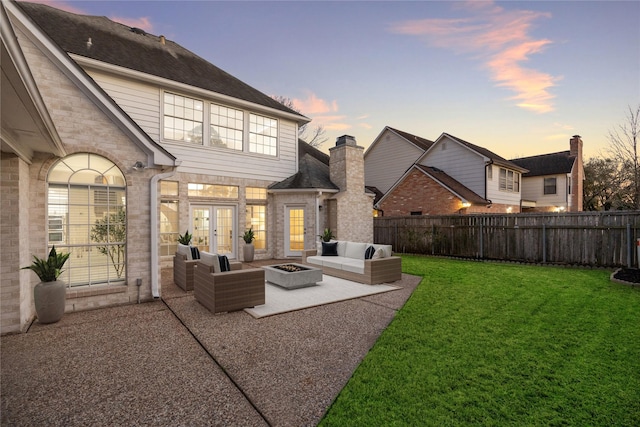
(481, 241)
(544, 243)
(629, 247)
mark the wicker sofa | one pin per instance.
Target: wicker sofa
(350, 263)
(230, 290)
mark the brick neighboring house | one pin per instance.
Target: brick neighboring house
(554, 182)
(451, 176)
(104, 122)
(414, 176)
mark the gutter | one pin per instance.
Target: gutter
(155, 259)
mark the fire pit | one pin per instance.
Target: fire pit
(290, 268)
(292, 276)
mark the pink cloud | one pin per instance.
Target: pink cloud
(501, 40)
(314, 105)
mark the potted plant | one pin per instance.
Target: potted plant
(185, 239)
(50, 294)
(327, 235)
(248, 249)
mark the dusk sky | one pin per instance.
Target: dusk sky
(518, 77)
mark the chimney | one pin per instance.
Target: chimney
(577, 174)
(163, 40)
(353, 207)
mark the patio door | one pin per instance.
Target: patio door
(213, 229)
(294, 231)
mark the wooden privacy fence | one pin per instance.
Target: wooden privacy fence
(598, 239)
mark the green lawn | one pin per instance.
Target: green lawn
(501, 344)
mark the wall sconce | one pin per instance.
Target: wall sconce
(138, 166)
(319, 207)
(466, 205)
(509, 209)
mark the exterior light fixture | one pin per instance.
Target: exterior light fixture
(138, 166)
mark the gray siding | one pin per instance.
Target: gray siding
(388, 159)
(459, 162)
(142, 102)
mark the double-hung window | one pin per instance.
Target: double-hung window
(509, 180)
(183, 118)
(263, 135)
(169, 217)
(226, 127)
(550, 186)
(257, 215)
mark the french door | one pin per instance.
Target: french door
(294, 231)
(214, 229)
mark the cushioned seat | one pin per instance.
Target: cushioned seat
(232, 290)
(183, 267)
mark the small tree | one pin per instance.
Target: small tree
(110, 229)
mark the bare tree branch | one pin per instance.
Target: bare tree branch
(624, 149)
(314, 137)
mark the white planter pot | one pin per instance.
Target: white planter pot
(247, 252)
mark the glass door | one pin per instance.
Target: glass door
(294, 231)
(213, 229)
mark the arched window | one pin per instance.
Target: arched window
(86, 207)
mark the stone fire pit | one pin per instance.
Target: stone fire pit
(292, 276)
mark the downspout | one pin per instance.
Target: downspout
(155, 260)
(318, 232)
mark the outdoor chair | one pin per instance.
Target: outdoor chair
(183, 267)
(221, 291)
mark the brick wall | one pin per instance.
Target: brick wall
(419, 193)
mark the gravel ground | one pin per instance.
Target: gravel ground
(172, 362)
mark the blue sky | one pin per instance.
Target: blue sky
(518, 77)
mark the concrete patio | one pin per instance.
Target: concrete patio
(172, 362)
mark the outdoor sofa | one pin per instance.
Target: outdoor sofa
(232, 290)
(359, 262)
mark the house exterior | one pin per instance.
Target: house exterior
(115, 141)
(554, 181)
(414, 176)
(390, 155)
(454, 176)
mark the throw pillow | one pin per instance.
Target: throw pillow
(368, 254)
(329, 248)
(379, 253)
(224, 263)
(195, 253)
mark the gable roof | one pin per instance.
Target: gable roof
(422, 143)
(443, 179)
(313, 171)
(132, 48)
(547, 164)
(452, 185)
(156, 154)
(493, 157)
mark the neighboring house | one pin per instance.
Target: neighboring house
(453, 176)
(554, 181)
(414, 176)
(103, 124)
(390, 155)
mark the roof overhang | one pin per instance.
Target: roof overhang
(303, 190)
(26, 126)
(92, 64)
(156, 154)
